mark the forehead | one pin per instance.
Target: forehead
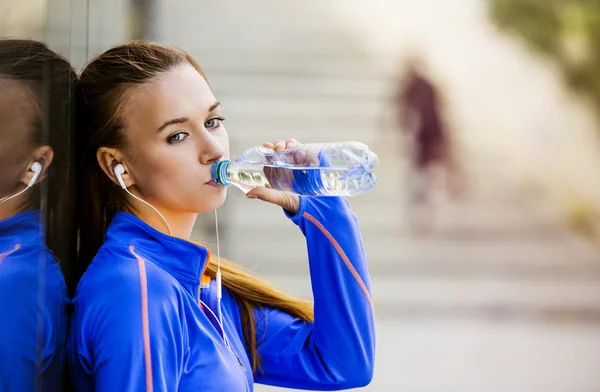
(180, 92)
(18, 107)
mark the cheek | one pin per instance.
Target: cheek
(154, 171)
(13, 167)
(171, 171)
(13, 156)
(151, 168)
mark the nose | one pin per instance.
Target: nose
(210, 150)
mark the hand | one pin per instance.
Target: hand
(287, 200)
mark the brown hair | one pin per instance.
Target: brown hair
(52, 80)
(100, 96)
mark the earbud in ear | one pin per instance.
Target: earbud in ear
(119, 170)
(36, 168)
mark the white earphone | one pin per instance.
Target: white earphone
(119, 170)
(36, 168)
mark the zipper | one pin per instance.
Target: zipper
(229, 348)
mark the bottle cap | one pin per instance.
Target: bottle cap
(219, 172)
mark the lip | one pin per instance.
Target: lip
(212, 183)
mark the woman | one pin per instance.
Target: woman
(36, 98)
(146, 310)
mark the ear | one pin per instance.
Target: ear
(108, 158)
(42, 155)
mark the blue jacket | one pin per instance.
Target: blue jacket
(33, 308)
(138, 326)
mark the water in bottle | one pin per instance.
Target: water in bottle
(323, 169)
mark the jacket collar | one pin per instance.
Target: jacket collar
(25, 227)
(182, 259)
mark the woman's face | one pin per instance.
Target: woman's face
(18, 112)
(174, 134)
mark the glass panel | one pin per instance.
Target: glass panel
(37, 190)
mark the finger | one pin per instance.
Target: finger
(279, 145)
(299, 157)
(261, 193)
(286, 200)
(292, 143)
(268, 145)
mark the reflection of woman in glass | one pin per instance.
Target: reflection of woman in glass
(35, 126)
(146, 311)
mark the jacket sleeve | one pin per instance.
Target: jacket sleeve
(131, 337)
(337, 350)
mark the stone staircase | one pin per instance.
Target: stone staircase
(292, 72)
(288, 73)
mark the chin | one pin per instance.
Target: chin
(221, 200)
(211, 203)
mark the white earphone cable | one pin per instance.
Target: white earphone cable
(7, 198)
(227, 344)
(225, 338)
(151, 206)
(37, 169)
(219, 282)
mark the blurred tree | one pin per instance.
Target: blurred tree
(568, 31)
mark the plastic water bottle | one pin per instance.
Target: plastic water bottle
(324, 169)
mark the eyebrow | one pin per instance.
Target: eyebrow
(173, 121)
(214, 106)
(181, 120)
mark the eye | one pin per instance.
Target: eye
(177, 137)
(214, 123)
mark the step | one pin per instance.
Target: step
(272, 109)
(318, 87)
(272, 26)
(397, 252)
(285, 61)
(245, 133)
(264, 215)
(269, 34)
(441, 293)
(386, 206)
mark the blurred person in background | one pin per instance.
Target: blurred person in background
(431, 153)
(147, 314)
(36, 98)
